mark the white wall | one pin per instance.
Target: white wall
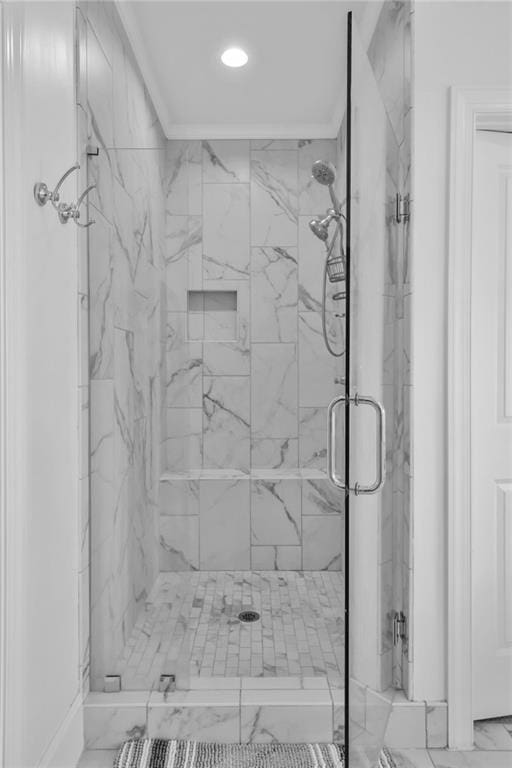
(456, 44)
(42, 681)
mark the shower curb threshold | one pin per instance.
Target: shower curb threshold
(236, 710)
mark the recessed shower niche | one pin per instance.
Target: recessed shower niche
(212, 315)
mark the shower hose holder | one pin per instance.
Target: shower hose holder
(69, 211)
(65, 211)
(43, 194)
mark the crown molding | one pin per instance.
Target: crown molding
(193, 131)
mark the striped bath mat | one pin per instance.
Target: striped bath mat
(161, 753)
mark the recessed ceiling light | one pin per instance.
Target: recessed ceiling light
(234, 57)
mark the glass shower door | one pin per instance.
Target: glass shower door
(372, 159)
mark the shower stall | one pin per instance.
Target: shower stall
(247, 315)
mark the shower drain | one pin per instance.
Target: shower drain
(248, 616)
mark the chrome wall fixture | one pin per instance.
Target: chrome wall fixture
(357, 488)
(69, 211)
(65, 211)
(42, 193)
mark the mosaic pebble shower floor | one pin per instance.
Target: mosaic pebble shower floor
(190, 627)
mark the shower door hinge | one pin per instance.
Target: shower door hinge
(399, 627)
(403, 208)
(112, 683)
(167, 683)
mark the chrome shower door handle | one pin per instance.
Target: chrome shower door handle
(331, 442)
(358, 489)
(361, 490)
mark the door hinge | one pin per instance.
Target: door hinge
(403, 208)
(399, 627)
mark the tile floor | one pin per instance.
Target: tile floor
(493, 749)
(404, 758)
(190, 627)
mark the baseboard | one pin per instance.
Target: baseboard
(67, 745)
(417, 724)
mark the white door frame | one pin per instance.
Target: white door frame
(3, 377)
(11, 351)
(470, 109)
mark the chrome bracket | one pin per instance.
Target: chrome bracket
(167, 684)
(112, 683)
(399, 627)
(403, 208)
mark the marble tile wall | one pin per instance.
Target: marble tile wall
(122, 272)
(237, 216)
(266, 520)
(389, 53)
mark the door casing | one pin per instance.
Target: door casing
(471, 108)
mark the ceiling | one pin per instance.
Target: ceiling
(292, 87)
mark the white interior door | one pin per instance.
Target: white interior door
(491, 427)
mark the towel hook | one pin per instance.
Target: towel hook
(42, 194)
(69, 211)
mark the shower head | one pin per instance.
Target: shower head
(320, 227)
(325, 173)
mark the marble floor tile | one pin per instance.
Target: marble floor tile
(411, 758)
(490, 734)
(445, 758)
(97, 758)
(190, 622)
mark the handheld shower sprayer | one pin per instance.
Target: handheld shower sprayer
(324, 173)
